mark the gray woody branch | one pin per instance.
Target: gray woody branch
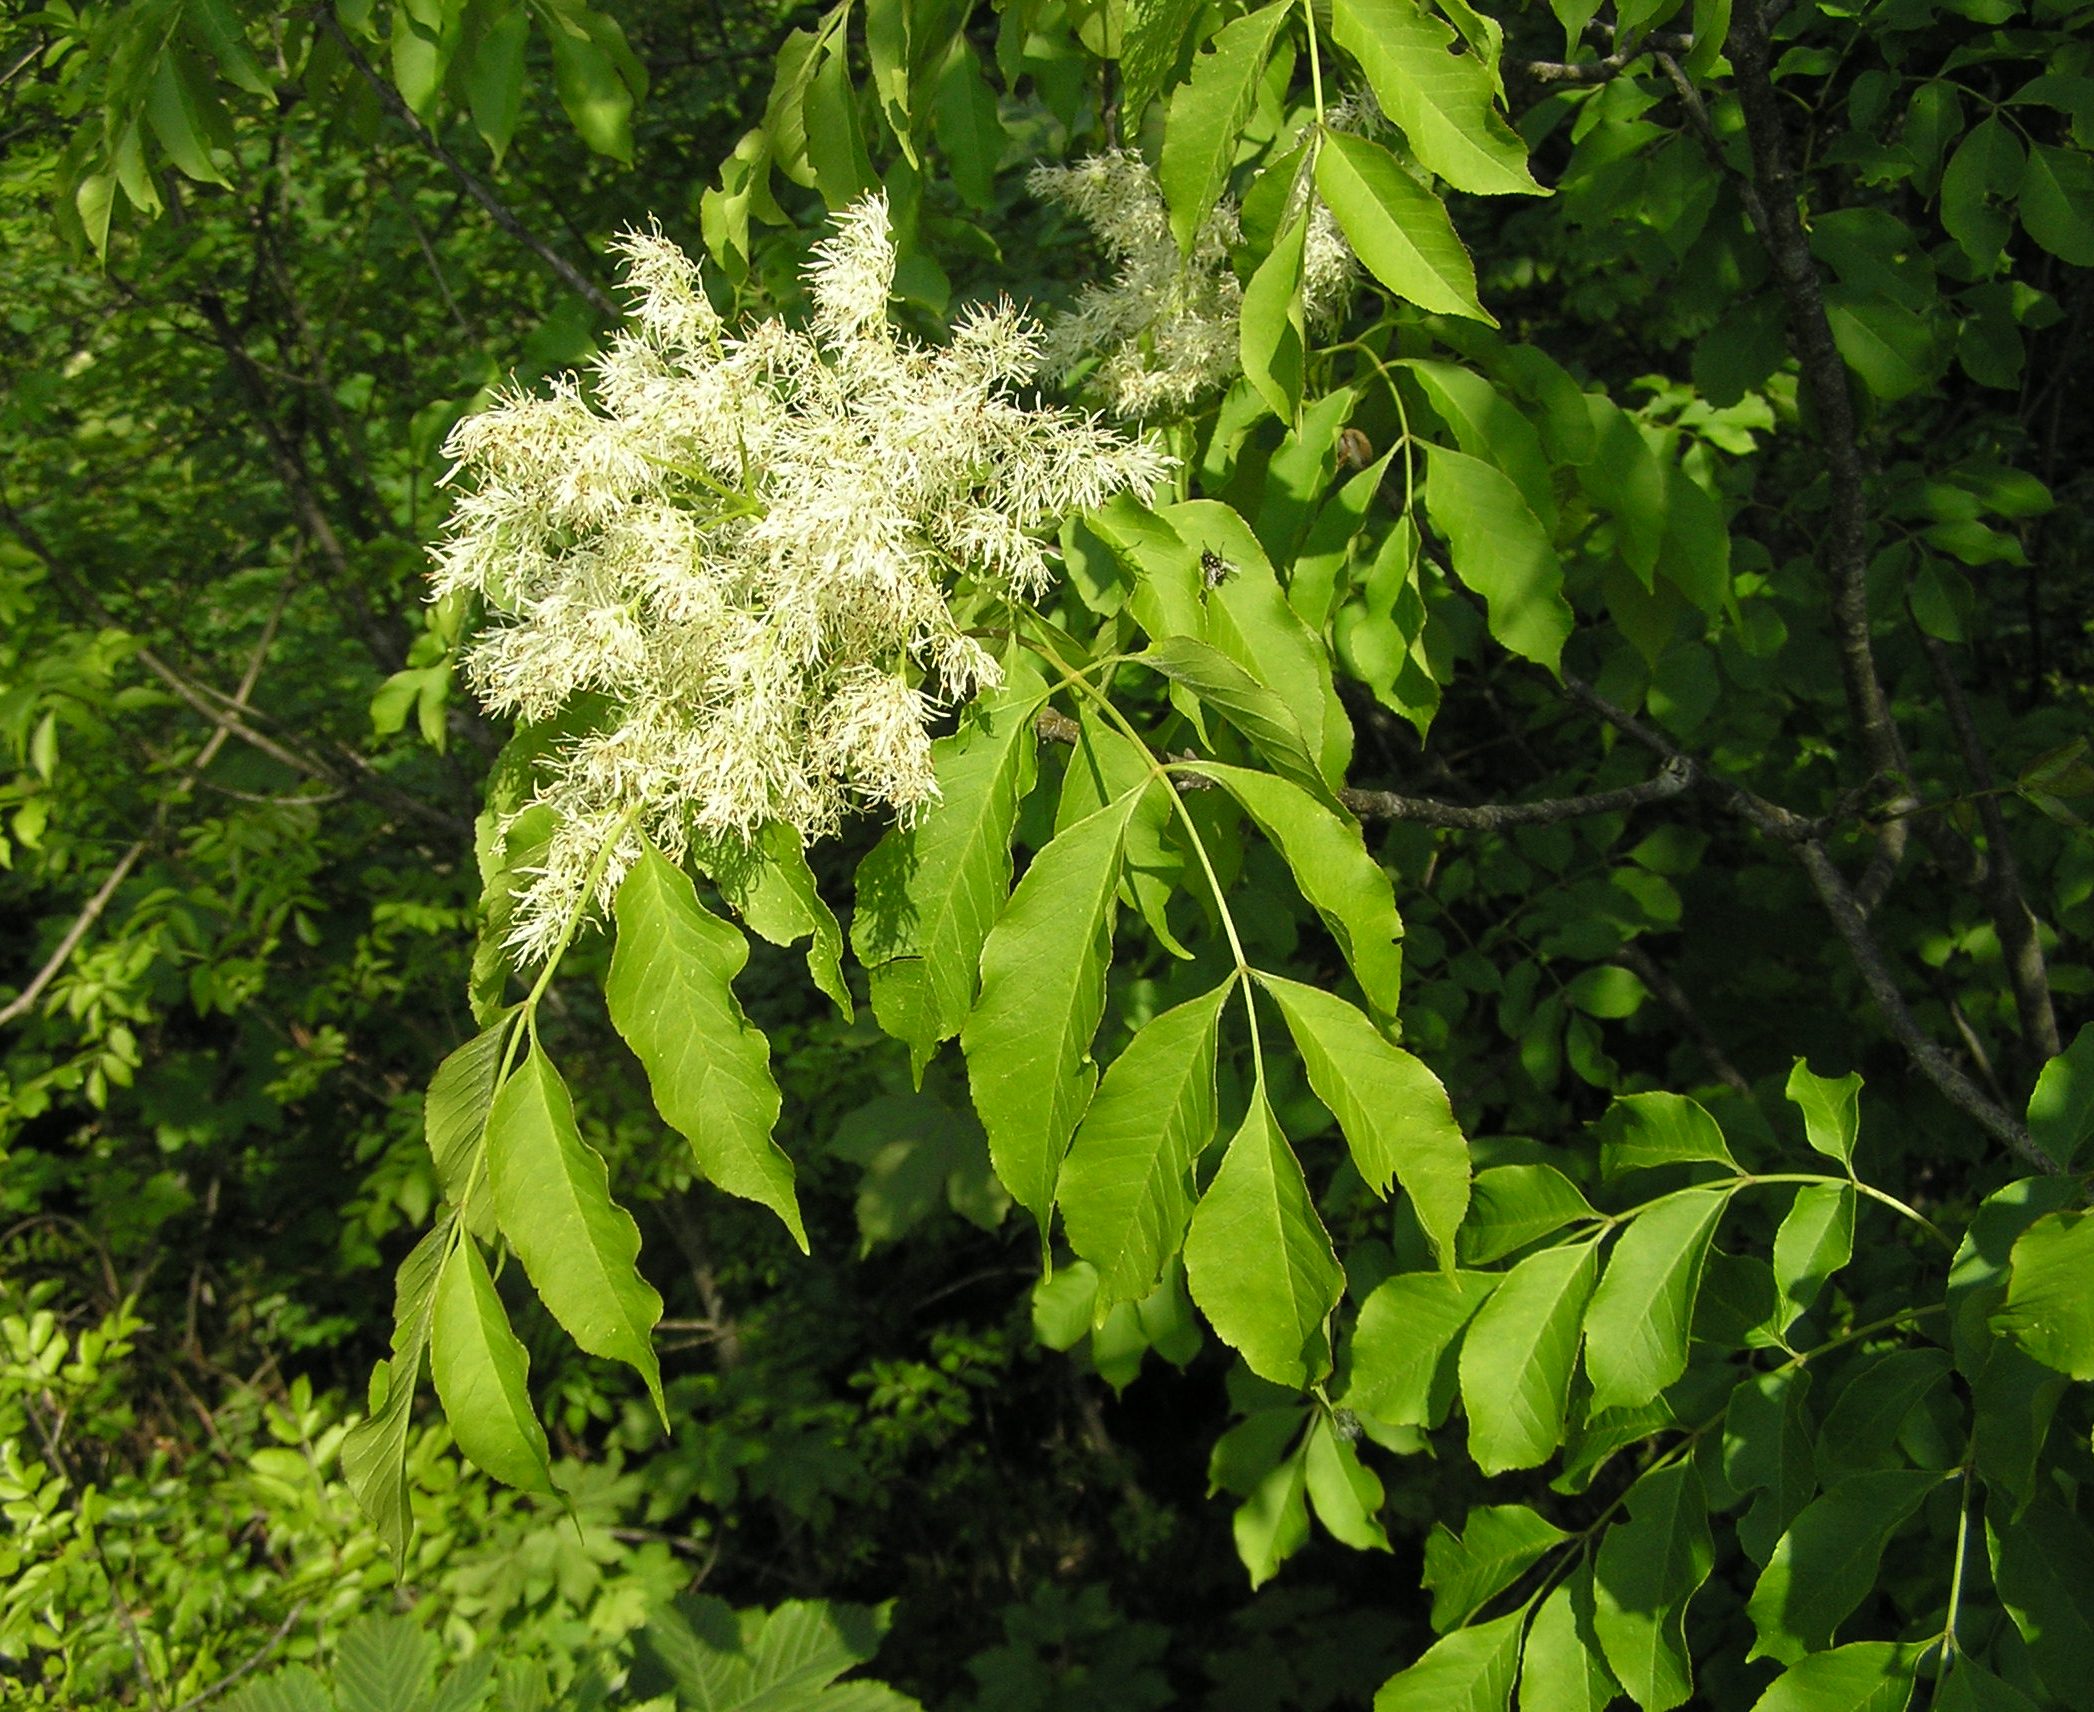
(1671, 781)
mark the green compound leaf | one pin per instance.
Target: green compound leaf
(1328, 859)
(1397, 227)
(1126, 1189)
(1644, 1131)
(671, 995)
(1396, 1117)
(2050, 1293)
(1402, 1367)
(1518, 1356)
(1500, 549)
(1444, 103)
(1206, 116)
(1648, 1570)
(454, 1121)
(1636, 1329)
(1831, 1110)
(1028, 1038)
(1470, 1670)
(927, 895)
(1256, 711)
(579, 1248)
(1816, 1239)
(1273, 334)
(1868, 1676)
(1561, 1669)
(482, 1375)
(1827, 1562)
(1258, 1258)
(1513, 1205)
(1465, 1571)
(374, 1454)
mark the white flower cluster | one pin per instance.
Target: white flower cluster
(744, 542)
(1166, 329)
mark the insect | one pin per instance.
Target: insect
(1214, 569)
(1355, 450)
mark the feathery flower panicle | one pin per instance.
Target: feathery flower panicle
(1166, 329)
(745, 541)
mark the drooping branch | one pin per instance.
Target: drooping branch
(474, 186)
(1372, 805)
(2012, 919)
(1850, 920)
(91, 912)
(1671, 781)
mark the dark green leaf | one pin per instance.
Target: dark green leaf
(2042, 1565)
(1647, 1572)
(2057, 202)
(1826, 1563)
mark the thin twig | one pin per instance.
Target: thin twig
(1672, 780)
(498, 210)
(255, 1663)
(1370, 805)
(1673, 997)
(2020, 946)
